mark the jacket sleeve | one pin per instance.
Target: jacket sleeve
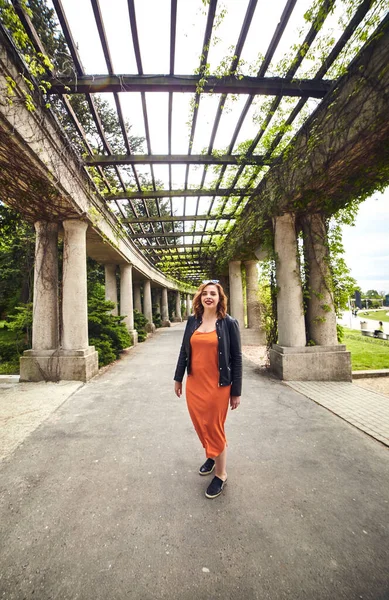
(236, 358)
(182, 358)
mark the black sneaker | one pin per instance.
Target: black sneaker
(215, 488)
(207, 467)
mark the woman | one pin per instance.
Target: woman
(211, 353)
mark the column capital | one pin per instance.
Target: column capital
(75, 225)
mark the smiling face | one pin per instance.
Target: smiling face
(210, 297)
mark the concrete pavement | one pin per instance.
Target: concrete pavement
(103, 500)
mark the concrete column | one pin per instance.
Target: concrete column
(74, 289)
(290, 312)
(253, 312)
(137, 298)
(111, 292)
(165, 309)
(254, 335)
(236, 292)
(158, 301)
(126, 299)
(188, 305)
(178, 317)
(75, 360)
(321, 317)
(45, 332)
(147, 306)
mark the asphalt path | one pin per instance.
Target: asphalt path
(103, 500)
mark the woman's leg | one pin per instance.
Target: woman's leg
(221, 464)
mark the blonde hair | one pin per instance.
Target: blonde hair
(221, 309)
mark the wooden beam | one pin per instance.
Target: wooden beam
(170, 159)
(179, 193)
(175, 218)
(268, 86)
(175, 234)
(177, 247)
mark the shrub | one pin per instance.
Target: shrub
(157, 320)
(139, 324)
(107, 332)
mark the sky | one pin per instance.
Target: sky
(366, 244)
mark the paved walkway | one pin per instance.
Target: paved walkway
(366, 410)
(103, 499)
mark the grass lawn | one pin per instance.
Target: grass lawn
(377, 315)
(366, 353)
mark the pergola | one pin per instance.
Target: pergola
(179, 239)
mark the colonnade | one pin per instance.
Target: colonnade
(306, 348)
(60, 345)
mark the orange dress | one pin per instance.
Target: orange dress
(207, 401)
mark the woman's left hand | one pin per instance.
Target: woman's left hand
(234, 402)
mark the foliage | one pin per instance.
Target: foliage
(139, 324)
(157, 320)
(107, 332)
(267, 297)
(15, 337)
(17, 244)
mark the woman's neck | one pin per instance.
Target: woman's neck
(209, 314)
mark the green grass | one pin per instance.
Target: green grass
(376, 315)
(366, 353)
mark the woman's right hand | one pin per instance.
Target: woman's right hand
(178, 388)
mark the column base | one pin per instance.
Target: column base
(311, 363)
(177, 320)
(253, 337)
(134, 335)
(166, 323)
(57, 365)
(150, 327)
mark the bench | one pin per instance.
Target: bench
(380, 336)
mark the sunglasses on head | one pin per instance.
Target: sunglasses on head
(210, 281)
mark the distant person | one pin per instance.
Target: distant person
(379, 330)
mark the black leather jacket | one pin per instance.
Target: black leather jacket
(229, 352)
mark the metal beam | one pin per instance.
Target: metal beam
(177, 159)
(179, 193)
(268, 86)
(175, 218)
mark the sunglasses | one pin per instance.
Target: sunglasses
(210, 281)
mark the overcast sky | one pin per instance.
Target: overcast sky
(366, 244)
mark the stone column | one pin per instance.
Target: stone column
(147, 306)
(165, 309)
(188, 305)
(75, 360)
(254, 334)
(253, 313)
(321, 317)
(137, 298)
(291, 359)
(236, 292)
(74, 290)
(178, 317)
(111, 292)
(290, 311)
(126, 300)
(158, 301)
(45, 331)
